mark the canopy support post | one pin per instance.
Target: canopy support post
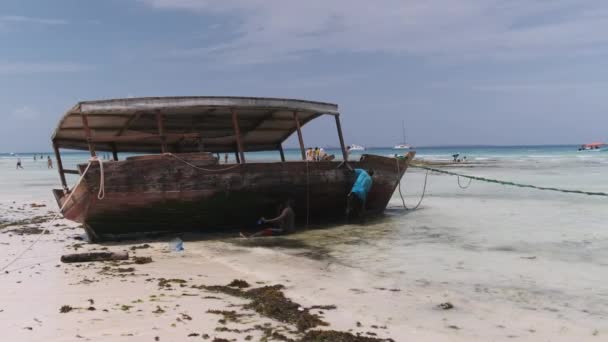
(237, 133)
(236, 156)
(339, 127)
(161, 131)
(114, 152)
(64, 183)
(300, 139)
(87, 133)
(282, 153)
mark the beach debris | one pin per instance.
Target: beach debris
(323, 307)
(338, 336)
(158, 310)
(241, 284)
(142, 260)
(144, 246)
(176, 245)
(194, 334)
(94, 256)
(28, 231)
(445, 306)
(65, 309)
(529, 257)
(217, 339)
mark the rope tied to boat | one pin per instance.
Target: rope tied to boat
(399, 176)
(102, 182)
(520, 185)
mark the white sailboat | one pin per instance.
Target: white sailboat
(402, 146)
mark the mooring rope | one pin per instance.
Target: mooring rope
(201, 168)
(401, 194)
(100, 195)
(463, 186)
(521, 185)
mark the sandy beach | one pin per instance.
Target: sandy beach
(514, 264)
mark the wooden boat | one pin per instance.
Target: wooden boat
(175, 182)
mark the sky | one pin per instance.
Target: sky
(467, 72)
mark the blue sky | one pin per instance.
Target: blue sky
(458, 72)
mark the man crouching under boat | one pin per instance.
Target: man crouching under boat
(355, 205)
(283, 224)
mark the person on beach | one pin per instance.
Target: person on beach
(309, 154)
(357, 197)
(49, 162)
(455, 156)
(283, 224)
(19, 164)
(225, 158)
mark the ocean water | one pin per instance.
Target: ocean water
(508, 258)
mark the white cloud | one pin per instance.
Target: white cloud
(268, 30)
(25, 113)
(34, 68)
(31, 20)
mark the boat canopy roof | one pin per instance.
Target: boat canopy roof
(189, 124)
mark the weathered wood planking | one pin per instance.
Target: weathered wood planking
(164, 194)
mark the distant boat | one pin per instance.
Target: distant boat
(403, 145)
(355, 147)
(594, 147)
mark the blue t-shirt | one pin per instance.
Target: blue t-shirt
(362, 184)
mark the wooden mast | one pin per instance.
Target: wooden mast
(300, 139)
(161, 132)
(237, 133)
(60, 166)
(87, 133)
(282, 152)
(339, 127)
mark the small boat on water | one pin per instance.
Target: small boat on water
(176, 183)
(355, 147)
(594, 147)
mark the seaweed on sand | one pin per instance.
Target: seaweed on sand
(241, 284)
(33, 220)
(338, 336)
(271, 302)
(142, 260)
(163, 283)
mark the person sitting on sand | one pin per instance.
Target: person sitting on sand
(355, 205)
(283, 224)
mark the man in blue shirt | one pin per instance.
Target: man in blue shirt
(355, 207)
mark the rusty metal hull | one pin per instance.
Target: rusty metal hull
(164, 194)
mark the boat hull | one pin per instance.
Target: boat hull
(166, 194)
